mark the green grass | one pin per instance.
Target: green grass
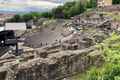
(110, 70)
(113, 15)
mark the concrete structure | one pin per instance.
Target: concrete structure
(103, 3)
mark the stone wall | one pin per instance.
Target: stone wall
(55, 66)
(113, 8)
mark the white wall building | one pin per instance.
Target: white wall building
(15, 26)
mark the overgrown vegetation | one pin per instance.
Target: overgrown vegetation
(111, 68)
(114, 16)
(116, 1)
(66, 11)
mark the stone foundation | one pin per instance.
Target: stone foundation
(55, 66)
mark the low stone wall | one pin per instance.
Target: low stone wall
(112, 8)
(55, 66)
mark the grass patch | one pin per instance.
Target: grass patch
(114, 16)
(110, 49)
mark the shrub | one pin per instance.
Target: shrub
(111, 52)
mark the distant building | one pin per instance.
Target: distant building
(103, 3)
(15, 26)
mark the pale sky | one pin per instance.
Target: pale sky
(22, 3)
(29, 5)
(42, 3)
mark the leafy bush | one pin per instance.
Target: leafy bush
(116, 1)
(111, 69)
(107, 72)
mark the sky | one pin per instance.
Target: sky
(23, 5)
(40, 3)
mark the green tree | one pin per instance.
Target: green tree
(78, 8)
(17, 18)
(91, 4)
(46, 15)
(67, 9)
(58, 12)
(116, 1)
(27, 17)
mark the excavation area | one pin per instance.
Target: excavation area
(57, 49)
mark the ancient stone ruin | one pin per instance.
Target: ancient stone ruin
(54, 65)
(53, 54)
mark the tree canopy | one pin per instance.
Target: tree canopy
(116, 1)
(67, 10)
